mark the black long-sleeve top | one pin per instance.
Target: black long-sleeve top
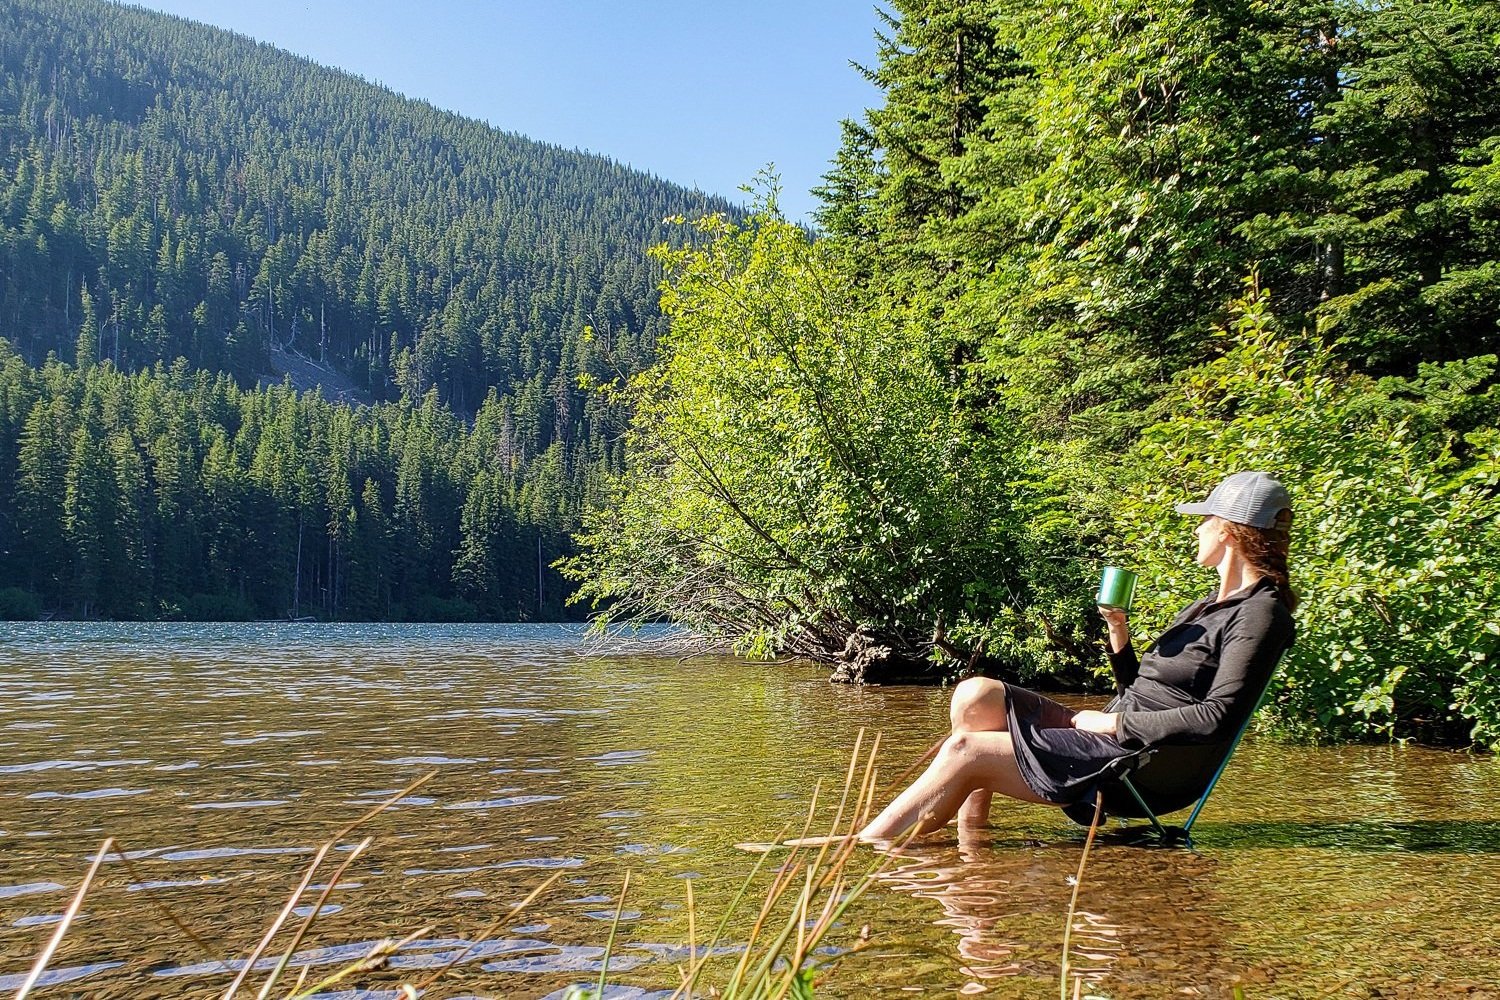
(1202, 677)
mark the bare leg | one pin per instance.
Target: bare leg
(967, 763)
(972, 764)
(975, 812)
(978, 706)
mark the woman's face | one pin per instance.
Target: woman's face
(1213, 541)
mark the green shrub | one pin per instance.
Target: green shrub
(432, 608)
(793, 472)
(17, 605)
(1396, 538)
(216, 608)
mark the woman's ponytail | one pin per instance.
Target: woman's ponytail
(1267, 550)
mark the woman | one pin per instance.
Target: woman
(1198, 682)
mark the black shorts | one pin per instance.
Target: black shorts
(1061, 764)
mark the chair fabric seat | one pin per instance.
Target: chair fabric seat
(1171, 778)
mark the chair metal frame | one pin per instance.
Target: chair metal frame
(1172, 836)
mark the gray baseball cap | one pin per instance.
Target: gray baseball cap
(1252, 498)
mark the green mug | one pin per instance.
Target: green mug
(1116, 588)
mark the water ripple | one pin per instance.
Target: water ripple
(618, 758)
(568, 958)
(516, 800)
(67, 765)
(610, 992)
(545, 863)
(53, 977)
(29, 888)
(231, 852)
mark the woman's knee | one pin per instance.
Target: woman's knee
(957, 757)
(978, 703)
(960, 744)
(984, 761)
(969, 745)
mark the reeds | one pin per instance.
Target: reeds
(374, 959)
(810, 894)
(40, 965)
(1067, 951)
(818, 888)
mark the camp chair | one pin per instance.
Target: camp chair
(1172, 780)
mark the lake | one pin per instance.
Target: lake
(221, 756)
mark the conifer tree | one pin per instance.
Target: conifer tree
(87, 350)
(41, 478)
(89, 519)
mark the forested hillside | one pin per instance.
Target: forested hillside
(214, 197)
(175, 493)
(1087, 257)
(173, 191)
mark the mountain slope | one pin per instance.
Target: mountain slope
(218, 197)
(186, 216)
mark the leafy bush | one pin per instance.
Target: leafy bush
(216, 608)
(1396, 538)
(804, 468)
(17, 605)
(793, 474)
(431, 608)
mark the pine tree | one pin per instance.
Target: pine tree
(89, 519)
(370, 557)
(41, 475)
(475, 568)
(1409, 269)
(87, 350)
(127, 579)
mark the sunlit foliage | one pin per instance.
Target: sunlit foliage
(1041, 234)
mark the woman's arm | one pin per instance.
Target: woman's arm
(1125, 664)
(1122, 659)
(1103, 723)
(1252, 645)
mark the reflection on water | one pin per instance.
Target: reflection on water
(221, 756)
(1137, 930)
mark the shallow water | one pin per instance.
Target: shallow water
(221, 757)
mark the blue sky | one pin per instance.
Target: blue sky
(702, 93)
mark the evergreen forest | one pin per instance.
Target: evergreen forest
(188, 219)
(1084, 259)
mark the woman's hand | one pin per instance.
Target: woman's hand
(1119, 627)
(1103, 723)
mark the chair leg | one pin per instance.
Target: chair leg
(1161, 831)
(1202, 800)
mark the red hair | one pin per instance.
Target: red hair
(1266, 550)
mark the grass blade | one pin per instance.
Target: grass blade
(696, 968)
(286, 956)
(1062, 985)
(372, 960)
(609, 946)
(692, 925)
(307, 878)
(286, 911)
(40, 965)
(490, 928)
(351, 827)
(162, 908)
